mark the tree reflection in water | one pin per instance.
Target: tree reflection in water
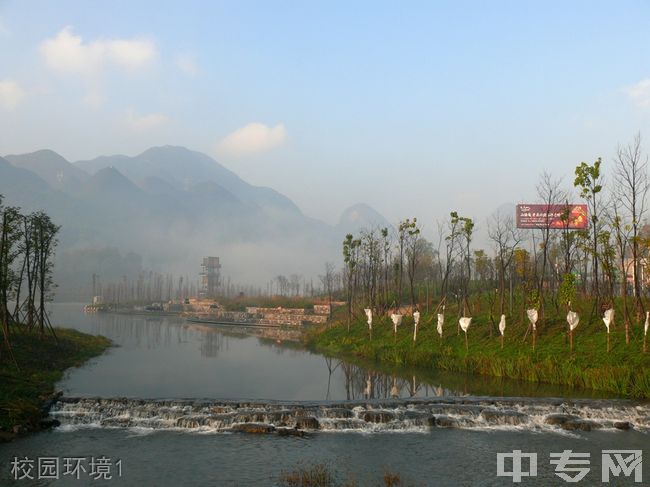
(361, 383)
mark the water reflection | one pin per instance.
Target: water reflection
(168, 357)
(361, 383)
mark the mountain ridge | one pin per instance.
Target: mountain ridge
(169, 223)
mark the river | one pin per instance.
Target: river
(167, 400)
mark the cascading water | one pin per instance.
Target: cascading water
(369, 416)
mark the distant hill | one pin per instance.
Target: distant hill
(360, 216)
(183, 168)
(51, 167)
(164, 210)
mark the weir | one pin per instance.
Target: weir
(530, 414)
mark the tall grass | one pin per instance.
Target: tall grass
(624, 371)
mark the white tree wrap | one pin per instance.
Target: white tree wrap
(464, 323)
(416, 320)
(532, 317)
(397, 320)
(502, 324)
(608, 318)
(369, 315)
(572, 319)
(441, 321)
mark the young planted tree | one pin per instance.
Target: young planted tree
(631, 186)
(621, 232)
(608, 262)
(521, 263)
(550, 194)
(465, 228)
(404, 237)
(450, 238)
(370, 266)
(328, 280)
(350, 258)
(505, 237)
(413, 251)
(589, 181)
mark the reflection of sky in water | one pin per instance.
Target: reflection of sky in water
(167, 357)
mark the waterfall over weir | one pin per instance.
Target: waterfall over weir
(531, 414)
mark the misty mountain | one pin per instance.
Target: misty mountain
(164, 210)
(51, 167)
(183, 168)
(21, 187)
(360, 216)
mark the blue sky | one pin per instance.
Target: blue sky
(415, 108)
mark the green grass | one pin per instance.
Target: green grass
(625, 371)
(41, 362)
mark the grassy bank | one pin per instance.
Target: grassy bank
(41, 362)
(624, 371)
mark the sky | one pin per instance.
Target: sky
(415, 108)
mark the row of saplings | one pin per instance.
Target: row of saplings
(464, 322)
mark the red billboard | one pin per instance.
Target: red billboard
(572, 217)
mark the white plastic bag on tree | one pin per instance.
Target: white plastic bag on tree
(441, 321)
(532, 317)
(369, 315)
(502, 324)
(647, 323)
(397, 320)
(608, 318)
(416, 322)
(572, 319)
(464, 323)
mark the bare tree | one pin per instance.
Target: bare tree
(328, 280)
(506, 237)
(631, 187)
(621, 232)
(386, 246)
(351, 260)
(464, 227)
(413, 251)
(550, 194)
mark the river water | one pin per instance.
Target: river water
(169, 400)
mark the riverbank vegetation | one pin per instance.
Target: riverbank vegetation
(559, 298)
(41, 360)
(33, 354)
(624, 371)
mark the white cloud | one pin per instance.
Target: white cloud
(253, 138)
(145, 123)
(639, 93)
(11, 94)
(186, 62)
(68, 53)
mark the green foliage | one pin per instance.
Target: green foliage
(533, 299)
(587, 178)
(566, 292)
(588, 181)
(625, 371)
(42, 362)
